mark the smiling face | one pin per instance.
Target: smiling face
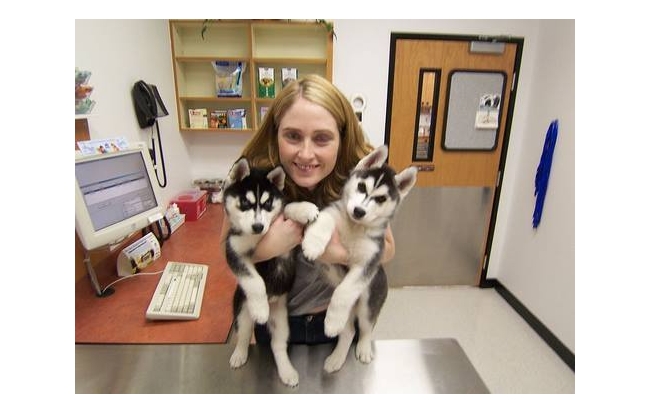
(308, 143)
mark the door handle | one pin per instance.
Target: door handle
(424, 168)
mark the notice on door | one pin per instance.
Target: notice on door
(487, 115)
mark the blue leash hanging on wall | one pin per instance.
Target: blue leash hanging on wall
(543, 171)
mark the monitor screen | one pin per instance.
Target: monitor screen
(116, 194)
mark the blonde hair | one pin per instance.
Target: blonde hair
(262, 150)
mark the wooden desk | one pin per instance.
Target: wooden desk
(400, 366)
(120, 317)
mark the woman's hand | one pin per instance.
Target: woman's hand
(282, 237)
(335, 252)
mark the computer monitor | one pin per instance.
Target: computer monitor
(116, 194)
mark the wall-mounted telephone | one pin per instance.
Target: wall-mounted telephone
(148, 104)
(149, 107)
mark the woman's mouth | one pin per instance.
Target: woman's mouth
(305, 168)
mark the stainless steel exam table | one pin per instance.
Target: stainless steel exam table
(399, 366)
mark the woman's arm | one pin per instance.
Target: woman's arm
(336, 253)
(225, 227)
(282, 236)
(389, 246)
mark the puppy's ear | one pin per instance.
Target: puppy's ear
(276, 176)
(406, 180)
(376, 158)
(239, 170)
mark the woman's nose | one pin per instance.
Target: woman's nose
(306, 150)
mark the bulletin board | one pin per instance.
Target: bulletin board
(473, 110)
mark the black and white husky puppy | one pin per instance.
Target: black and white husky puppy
(369, 201)
(252, 199)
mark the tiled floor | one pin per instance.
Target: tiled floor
(507, 353)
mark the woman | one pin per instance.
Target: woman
(312, 131)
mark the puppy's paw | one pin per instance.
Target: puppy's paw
(301, 212)
(364, 351)
(310, 213)
(259, 310)
(238, 357)
(313, 245)
(335, 322)
(334, 362)
(289, 376)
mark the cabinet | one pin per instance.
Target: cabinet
(304, 45)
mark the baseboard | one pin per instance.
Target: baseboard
(558, 347)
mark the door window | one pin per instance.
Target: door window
(425, 118)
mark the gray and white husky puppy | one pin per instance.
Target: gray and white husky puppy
(370, 198)
(252, 199)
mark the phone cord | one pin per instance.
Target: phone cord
(162, 157)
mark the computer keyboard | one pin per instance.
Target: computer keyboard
(179, 293)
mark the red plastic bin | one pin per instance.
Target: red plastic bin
(191, 203)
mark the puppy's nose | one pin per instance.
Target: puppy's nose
(257, 228)
(359, 213)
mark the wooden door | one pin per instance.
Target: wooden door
(450, 101)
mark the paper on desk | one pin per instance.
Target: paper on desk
(138, 255)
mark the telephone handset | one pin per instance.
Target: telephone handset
(148, 107)
(148, 104)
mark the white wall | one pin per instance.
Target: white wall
(536, 266)
(119, 53)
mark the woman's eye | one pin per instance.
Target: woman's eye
(292, 137)
(322, 139)
(361, 188)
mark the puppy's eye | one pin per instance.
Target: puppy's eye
(361, 188)
(380, 199)
(268, 205)
(245, 204)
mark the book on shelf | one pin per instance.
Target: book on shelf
(237, 119)
(219, 119)
(198, 118)
(288, 75)
(266, 82)
(263, 111)
(229, 78)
